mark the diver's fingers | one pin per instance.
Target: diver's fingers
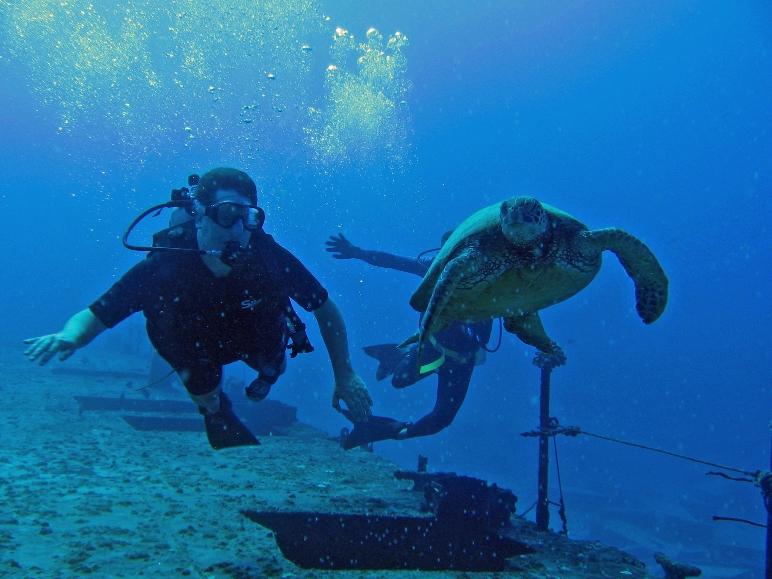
(37, 346)
(64, 354)
(334, 248)
(340, 241)
(359, 403)
(46, 356)
(32, 342)
(339, 253)
(367, 400)
(354, 412)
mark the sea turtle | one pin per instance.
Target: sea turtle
(519, 256)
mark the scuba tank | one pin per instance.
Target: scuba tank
(176, 237)
(181, 231)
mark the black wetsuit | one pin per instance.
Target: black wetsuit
(199, 322)
(461, 343)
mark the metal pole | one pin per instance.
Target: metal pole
(542, 497)
(767, 494)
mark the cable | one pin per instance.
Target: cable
(498, 344)
(669, 453)
(562, 505)
(726, 476)
(736, 520)
(161, 379)
(526, 511)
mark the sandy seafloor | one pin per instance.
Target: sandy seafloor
(85, 494)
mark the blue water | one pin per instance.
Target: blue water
(650, 117)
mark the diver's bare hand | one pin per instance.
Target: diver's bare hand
(342, 248)
(549, 360)
(354, 393)
(43, 348)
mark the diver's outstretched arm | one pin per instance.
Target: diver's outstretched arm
(342, 248)
(79, 330)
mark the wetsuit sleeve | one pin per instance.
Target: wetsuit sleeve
(302, 287)
(126, 296)
(391, 261)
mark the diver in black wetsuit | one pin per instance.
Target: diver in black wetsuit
(459, 347)
(224, 299)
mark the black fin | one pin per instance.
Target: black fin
(225, 430)
(388, 355)
(373, 429)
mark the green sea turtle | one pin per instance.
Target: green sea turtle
(520, 256)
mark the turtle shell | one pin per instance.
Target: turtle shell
(487, 222)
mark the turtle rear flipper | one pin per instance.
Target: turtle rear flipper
(642, 267)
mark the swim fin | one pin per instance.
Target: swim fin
(388, 355)
(224, 429)
(373, 429)
(430, 356)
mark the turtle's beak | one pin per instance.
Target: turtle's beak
(520, 232)
(522, 223)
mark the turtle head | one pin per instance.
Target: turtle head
(524, 221)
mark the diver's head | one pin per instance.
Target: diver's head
(523, 220)
(226, 208)
(446, 236)
(225, 178)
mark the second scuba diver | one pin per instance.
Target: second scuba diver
(457, 350)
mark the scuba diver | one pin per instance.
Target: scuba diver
(215, 289)
(454, 354)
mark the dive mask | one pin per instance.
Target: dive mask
(226, 213)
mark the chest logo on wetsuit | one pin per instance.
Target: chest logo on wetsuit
(249, 304)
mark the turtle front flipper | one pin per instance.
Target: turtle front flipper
(456, 270)
(640, 264)
(529, 329)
